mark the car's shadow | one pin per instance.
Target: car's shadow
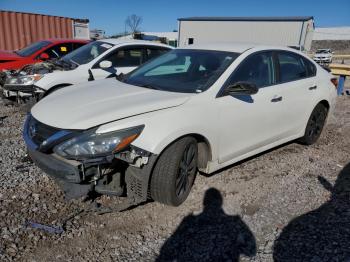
(322, 234)
(210, 236)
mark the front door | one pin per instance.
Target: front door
(247, 123)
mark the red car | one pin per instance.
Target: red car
(38, 52)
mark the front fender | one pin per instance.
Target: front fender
(163, 127)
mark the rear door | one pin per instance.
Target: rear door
(247, 123)
(297, 78)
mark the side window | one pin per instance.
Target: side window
(257, 69)
(154, 52)
(311, 68)
(126, 57)
(59, 50)
(291, 67)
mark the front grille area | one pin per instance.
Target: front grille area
(39, 132)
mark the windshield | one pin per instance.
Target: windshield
(87, 53)
(33, 48)
(322, 51)
(182, 70)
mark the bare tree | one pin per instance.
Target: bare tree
(133, 22)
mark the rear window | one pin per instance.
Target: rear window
(33, 48)
(322, 51)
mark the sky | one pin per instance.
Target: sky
(162, 15)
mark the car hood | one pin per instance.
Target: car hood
(94, 103)
(9, 56)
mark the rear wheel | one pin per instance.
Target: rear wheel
(314, 125)
(175, 172)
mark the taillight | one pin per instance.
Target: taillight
(334, 81)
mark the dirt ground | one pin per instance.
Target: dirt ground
(289, 204)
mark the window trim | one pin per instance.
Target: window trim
(141, 47)
(221, 92)
(276, 65)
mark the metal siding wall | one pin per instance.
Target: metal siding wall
(20, 29)
(260, 32)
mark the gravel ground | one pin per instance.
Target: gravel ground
(289, 204)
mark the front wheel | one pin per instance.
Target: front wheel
(175, 172)
(314, 125)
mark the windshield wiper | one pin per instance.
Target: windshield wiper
(73, 62)
(150, 86)
(63, 63)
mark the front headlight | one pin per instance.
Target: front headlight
(92, 144)
(23, 80)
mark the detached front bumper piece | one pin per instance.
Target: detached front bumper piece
(58, 168)
(21, 90)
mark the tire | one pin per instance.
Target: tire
(314, 125)
(175, 172)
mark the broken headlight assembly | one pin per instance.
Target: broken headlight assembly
(91, 144)
(26, 80)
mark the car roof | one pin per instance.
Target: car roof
(235, 47)
(132, 41)
(66, 40)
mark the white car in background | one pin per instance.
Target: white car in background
(96, 60)
(323, 56)
(195, 108)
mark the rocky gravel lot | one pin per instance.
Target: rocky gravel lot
(288, 204)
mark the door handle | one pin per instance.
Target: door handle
(313, 87)
(276, 99)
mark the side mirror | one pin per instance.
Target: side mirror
(44, 56)
(105, 64)
(242, 88)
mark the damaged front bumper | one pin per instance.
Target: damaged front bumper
(22, 91)
(53, 165)
(127, 171)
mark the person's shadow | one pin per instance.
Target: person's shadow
(322, 234)
(209, 236)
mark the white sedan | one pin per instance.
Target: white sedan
(96, 60)
(323, 56)
(195, 108)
